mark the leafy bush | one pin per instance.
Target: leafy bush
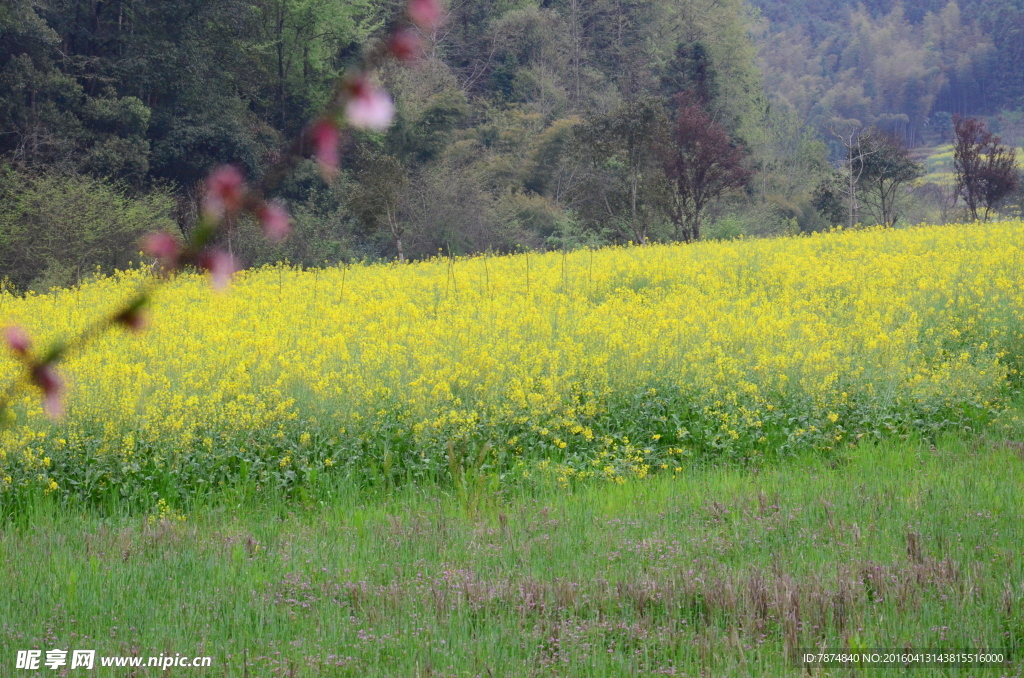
(56, 229)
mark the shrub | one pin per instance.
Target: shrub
(56, 229)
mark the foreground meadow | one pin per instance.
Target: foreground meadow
(484, 372)
(718, 572)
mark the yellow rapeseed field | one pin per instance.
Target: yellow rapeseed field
(612, 363)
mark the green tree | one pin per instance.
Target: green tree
(304, 42)
(378, 196)
(56, 229)
(623, 186)
(885, 170)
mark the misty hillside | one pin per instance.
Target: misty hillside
(895, 64)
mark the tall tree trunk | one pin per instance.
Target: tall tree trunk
(280, 62)
(575, 30)
(396, 232)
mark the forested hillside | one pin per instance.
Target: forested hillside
(525, 123)
(905, 66)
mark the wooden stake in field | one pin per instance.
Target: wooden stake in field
(451, 270)
(527, 271)
(487, 275)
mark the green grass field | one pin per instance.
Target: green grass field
(717, 572)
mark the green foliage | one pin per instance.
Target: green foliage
(534, 221)
(890, 65)
(624, 186)
(377, 199)
(422, 136)
(828, 199)
(299, 43)
(726, 228)
(57, 229)
(691, 70)
(156, 93)
(547, 171)
(221, 131)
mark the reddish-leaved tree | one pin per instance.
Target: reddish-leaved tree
(701, 163)
(986, 170)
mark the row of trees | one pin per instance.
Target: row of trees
(524, 124)
(642, 174)
(487, 150)
(634, 174)
(873, 180)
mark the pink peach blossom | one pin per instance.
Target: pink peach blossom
(17, 339)
(369, 107)
(425, 13)
(220, 265)
(46, 378)
(405, 45)
(164, 247)
(325, 139)
(225, 192)
(275, 221)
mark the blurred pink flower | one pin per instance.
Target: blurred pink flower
(425, 13)
(52, 386)
(405, 45)
(17, 339)
(369, 107)
(275, 221)
(225, 191)
(163, 246)
(220, 265)
(325, 145)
